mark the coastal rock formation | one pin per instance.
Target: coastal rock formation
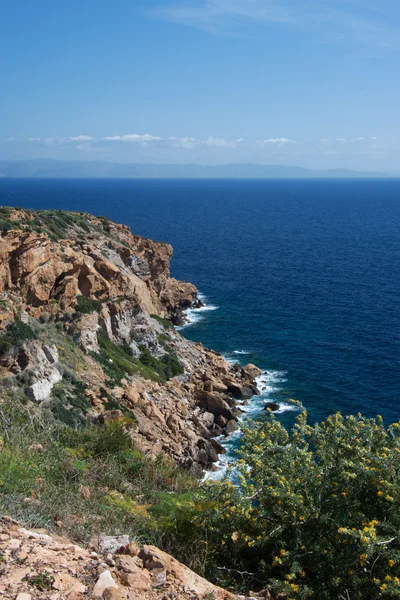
(86, 333)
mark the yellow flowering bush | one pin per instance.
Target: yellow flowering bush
(314, 512)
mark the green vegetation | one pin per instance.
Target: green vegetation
(166, 323)
(16, 334)
(168, 366)
(87, 305)
(118, 362)
(55, 223)
(316, 512)
(93, 480)
(43, 581)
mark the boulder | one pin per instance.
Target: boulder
(104, 582)
(240, 391)
(41, 389)
(250, 372)
(207, 418)
(218, 447)
(217, 406)
(109, 544)
(128, 564)
(271, 406)
(221, 421)
(231, 426)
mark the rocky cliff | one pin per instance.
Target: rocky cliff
(87, 315)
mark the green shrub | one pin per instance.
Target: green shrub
(19, 332)
(5, 345)
(117, 361)
(166, 323)
(86, 305)
(316, 512)
(168, 366)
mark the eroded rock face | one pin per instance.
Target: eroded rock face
(34, 269)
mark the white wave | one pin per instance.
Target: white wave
(194, 315)
(242, 352)
(285, 407)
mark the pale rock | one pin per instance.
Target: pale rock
(64, 582)
(41, 390)
(104, 582)
(109, 544)
(51, 353)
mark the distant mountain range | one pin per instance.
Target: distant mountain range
(102, 169)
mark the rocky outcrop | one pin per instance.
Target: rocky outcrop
(106, 262)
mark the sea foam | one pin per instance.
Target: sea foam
(194, 315)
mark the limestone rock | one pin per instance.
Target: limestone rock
(110, 544)
(104, 582)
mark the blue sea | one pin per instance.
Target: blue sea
(301, 277)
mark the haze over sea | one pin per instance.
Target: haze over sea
(305, 274)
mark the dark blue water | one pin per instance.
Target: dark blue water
(306, 274)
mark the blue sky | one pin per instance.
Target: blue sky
(307, 82)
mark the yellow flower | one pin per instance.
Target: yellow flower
(282, 552)
(379, 493)
(295, 588)
(302, 518)
(391, 563)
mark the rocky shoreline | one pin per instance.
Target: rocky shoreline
(87, 309)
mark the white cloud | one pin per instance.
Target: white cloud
(34, 139)
(361, 22)
(186, 142)
(281, 141)
(133, 137)
(80, 138)
(219, 143)
(341, 140)
(357, 139)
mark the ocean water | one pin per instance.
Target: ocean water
(301, 278)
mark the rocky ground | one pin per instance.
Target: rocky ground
(37, 566)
